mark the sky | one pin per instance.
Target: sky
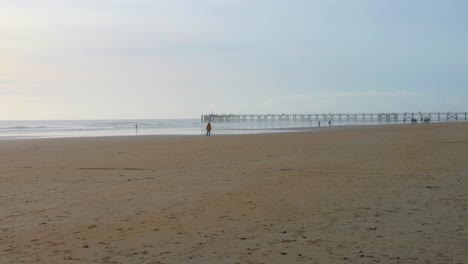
(121, 59)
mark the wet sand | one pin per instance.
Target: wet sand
(392, 194)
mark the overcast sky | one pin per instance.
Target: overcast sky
(94, 59)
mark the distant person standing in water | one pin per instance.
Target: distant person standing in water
(319, 123)
(329, 122)
(208, 129)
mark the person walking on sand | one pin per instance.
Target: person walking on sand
(208, 129)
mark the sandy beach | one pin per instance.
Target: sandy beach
(383, 194)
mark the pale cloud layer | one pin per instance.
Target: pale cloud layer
(67, 59)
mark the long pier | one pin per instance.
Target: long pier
(364, 118)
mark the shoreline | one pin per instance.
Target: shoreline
(249, 131)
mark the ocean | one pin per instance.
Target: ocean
(98, 128)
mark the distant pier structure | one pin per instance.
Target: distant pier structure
(341, 118)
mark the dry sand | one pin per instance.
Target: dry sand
(393, 194)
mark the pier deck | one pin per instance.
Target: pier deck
(338, 117)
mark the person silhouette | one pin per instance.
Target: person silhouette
(208, 129)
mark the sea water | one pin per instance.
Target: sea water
(93, 128)
(97, 128)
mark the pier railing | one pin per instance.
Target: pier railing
(344, 118)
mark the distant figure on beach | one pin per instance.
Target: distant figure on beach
(319, 123)
(136, 128)
(208, 129)
(329, 122)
